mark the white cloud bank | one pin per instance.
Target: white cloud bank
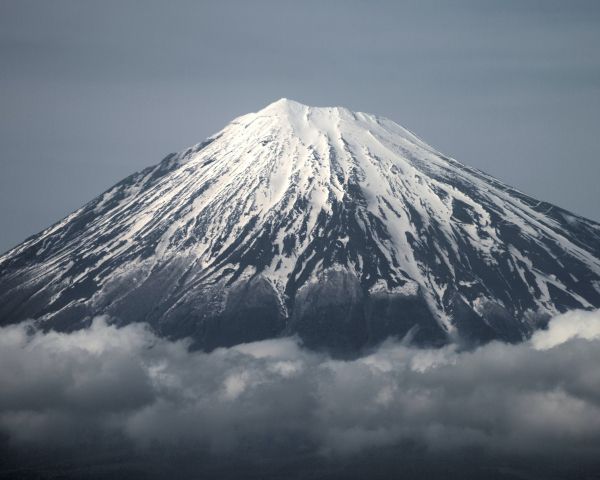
(575, 324)
(538, 397)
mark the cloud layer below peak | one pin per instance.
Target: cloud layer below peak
(273, 397)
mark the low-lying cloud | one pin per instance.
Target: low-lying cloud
(541, 397)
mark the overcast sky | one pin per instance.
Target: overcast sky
(92, 91)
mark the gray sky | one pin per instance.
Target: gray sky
(92, 91)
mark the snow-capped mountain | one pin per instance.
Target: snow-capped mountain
(341, 227)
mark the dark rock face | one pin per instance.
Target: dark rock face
(329, 313)
(334, 313)
(400, 316)
(339, 227)
(252, 312)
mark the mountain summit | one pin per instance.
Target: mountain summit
(341, 227)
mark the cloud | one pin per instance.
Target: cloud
(539, 398)
(573, 324)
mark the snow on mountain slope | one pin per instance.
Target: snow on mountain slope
(342, 227)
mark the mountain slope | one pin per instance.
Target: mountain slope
(341, 227)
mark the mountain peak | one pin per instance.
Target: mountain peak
(311, 122)
(292, 107)
(283, 105)
(286, 102)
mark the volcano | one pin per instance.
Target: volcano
(340, 227)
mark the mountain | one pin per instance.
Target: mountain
(343, 228)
